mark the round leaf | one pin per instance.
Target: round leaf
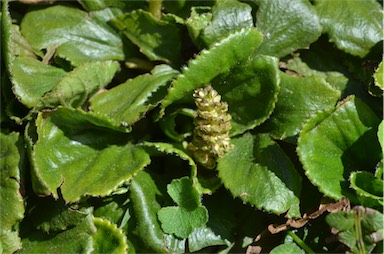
(261, 174)
(334, 143)
(127, 103)
(144, 194)
(299, 98)
(227, 17)
(108, 238)
(180, 221)
(219, 59)
(77, 36)
(31, 79)
(157, 39)
(284, 21)
(81, 158)
(355, 26)
(251, 90)
(183, 193)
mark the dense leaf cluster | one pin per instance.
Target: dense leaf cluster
(98, 117)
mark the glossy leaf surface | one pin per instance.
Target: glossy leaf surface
(261, 174)
(368, 186)
(143, 194)
(218, 60)
(329, 145)
(298, 99)
(31, 79)
(76, 36)
(157, 39)
(108, 238)
(74, 89)
(128, 102)
(67, 156)
(227, 16)
(251, 90)
(284, 21)
(353, 25)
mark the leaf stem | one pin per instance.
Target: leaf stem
(358, 232)
(300, 242)
(155, 8)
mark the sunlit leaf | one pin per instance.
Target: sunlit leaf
(76, 36)
(108, 238)
(74, 153)
(284, 21)
(330, 145)
(355, 26)
(188, 215)
(219, 59)
(259, 172)
(128, 102)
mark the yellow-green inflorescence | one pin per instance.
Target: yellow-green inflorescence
(212, 125)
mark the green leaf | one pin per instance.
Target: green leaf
(380, 134)
(108, 238)
(180, 221)
(299, 98)
(31, 79)
(73, 153)
(258, 171)
(96, 5)
(311, 63)
(204, 237)
(379, 76)
(330, 145)
(251, 91)
(13, 43)
(57, 216)
(157, 39)
(12, 161)
(78, 84)
(127, 103)
(183, 193)
(144, 194)
(227, 16)
(77, 36)
(75, 240)
(287, 248)
(10, 241)
(284, 21)
(355, 26)
(199, 19)
(367, 185)
(188, 215)
(360, 229)
(219, 59)
(112, 210)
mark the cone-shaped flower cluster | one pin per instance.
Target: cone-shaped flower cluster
(212, 124)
